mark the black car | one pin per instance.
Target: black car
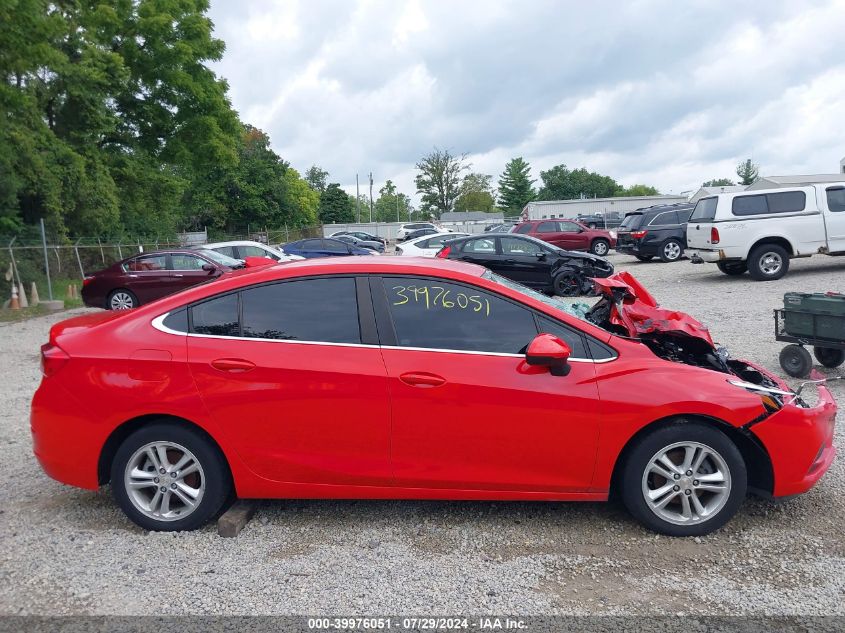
(531, 262)
(658, 231)
(419, 233)
(607, 220)
(361, 235)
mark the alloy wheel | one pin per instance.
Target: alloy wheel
(121, 301)
(600, 248)
(686, 483)
(164, 481)
(672, 251)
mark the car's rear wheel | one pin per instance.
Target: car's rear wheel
(684, 479)
(644, 258)
(600, 247)
(168, 477)
(768, 262)
(671, 251)
(734, 269)
(829, 356)
(122, 299)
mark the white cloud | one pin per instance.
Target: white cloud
(652, 92)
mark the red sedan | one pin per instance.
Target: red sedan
(569, 235)
(411, 378)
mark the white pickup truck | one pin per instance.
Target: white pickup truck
(760, 231)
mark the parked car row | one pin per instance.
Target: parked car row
(658, 231)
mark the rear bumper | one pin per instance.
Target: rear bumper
(636, 249)
(800, 444)
(707, 255)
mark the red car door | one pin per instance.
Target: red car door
(147, 277)
(468, 412)
(298, 394)
(186, 270)
(572, 236)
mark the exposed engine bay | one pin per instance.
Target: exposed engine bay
(627, 309)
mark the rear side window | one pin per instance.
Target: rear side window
(335, 246)
(836, 199)
(228, 251)
(433, 314)
(523, 228)
(483, 245)
(631, 221)
(147, 263)
(786, 202)
(311, 245)
(322, 310)
(664, 218)
(705, 210)
(218, 316)
(547, 227)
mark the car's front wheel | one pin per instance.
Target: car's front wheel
(169, 477)
(684, 479)
(600, 247)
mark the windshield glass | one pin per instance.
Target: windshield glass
(631, 220)
(705, 210)
(223, 260)
(578, 310)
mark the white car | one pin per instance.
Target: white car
(427, 245)
(240, 249)
(405, 229)
(759, 231)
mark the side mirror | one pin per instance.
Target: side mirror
(541, 255)
(547, 350)
(208, 268)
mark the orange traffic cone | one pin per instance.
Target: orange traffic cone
(14, 304)
(33, 295)
(69, 293)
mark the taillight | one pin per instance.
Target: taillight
(52, 359)
(638, 235)
(443, 253)
(86, 281)
(714, 235)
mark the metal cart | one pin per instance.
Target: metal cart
(795, 359)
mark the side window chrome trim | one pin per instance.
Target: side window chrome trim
(158, 323)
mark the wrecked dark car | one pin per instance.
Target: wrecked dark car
(531, 262)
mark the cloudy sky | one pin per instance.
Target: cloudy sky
(658, 92)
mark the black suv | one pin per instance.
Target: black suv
(659, 231)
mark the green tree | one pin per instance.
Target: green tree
(516, 188)
(747, 172)
(718, 182)
(335, 206)
(638, 190)
(300, 203)
(391, 206)
(439, 180)
(561, 183)
(476, 193)
(316, 178)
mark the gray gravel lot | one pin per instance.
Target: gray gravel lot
(68, 551)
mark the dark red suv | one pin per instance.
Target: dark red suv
(569, 235)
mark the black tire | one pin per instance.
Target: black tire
(671, 251)
(566, 284)
(214, 475)
(768, 262)
(796, 361)
(116, 298)
(734, 269)
(644, 258)
(829, 356)
(600, 247)
(635, 472)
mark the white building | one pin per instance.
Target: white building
(842, 166)
(773, 182)
(712, 191)
(540, 210)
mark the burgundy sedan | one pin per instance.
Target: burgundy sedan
(149, 276)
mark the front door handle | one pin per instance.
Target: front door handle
(510, 261)
(233, 365)
(422, 379)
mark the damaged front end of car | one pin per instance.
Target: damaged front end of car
(576, 272)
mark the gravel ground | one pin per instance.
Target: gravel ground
(68, 551)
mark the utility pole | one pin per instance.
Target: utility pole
(397, 207)
(357, 199)
(371, 196)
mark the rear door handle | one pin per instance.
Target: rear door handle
(422, 379)
(510, 261)
(233, 365)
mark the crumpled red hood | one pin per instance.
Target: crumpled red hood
(638, 312)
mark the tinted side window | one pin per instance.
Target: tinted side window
(569, 227)
(684, 215)
(217, 316)
(750, 205)
(664, 218)
(324, 310)
(523, 228)
(180, 261)
(705, 210)
(570, 337)
(146, 263)
(483, 245)
(787, 202)
(547, 227)
(435, 242)
(253, 251)
(836, 199)
(335, 246)
(177, 321)
(311, 245)
(432, 314)
(516, 246)
(228, 251)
